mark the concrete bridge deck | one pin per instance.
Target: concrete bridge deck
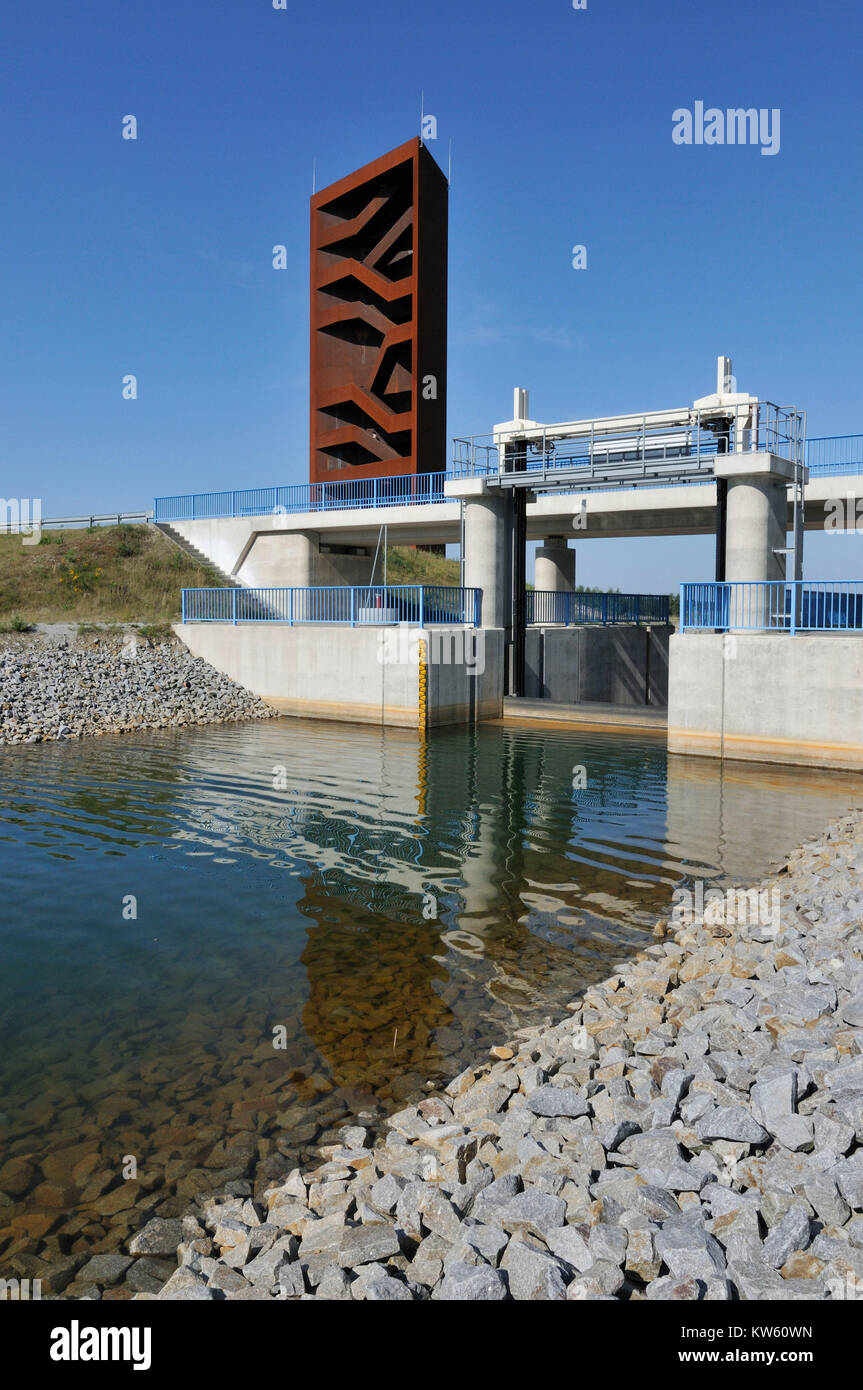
(315, 547)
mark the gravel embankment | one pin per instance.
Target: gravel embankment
(71, 688)
(692, 1130)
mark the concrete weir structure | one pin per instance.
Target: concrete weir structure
(766, 666)
(768, 697)
(763, 687)
(413, 678)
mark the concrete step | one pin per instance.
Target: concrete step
(641, 718)
(195, 554)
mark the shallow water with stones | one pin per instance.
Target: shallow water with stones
(384, 909)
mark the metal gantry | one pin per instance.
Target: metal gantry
(664, 446)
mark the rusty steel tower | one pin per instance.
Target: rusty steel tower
(378, 320)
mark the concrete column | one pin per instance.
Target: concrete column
(756, 525)
(279, 558)
(555, 566)
(487, 557)
(486, 547)
(755, 529)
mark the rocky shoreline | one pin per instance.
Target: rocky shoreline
(55, 687)
(693, 1129)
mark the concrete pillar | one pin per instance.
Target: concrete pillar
(486, 546)
(302, 559)
(555, 566)
(756, 524)
(279, 558)
(756, 521)
(486, 553)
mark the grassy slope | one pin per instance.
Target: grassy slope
(406, 566)
(109, 574)
(116, 574)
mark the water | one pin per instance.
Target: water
(383, 909)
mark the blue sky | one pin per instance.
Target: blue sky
(154, 256)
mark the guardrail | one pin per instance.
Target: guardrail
(474, 457)
(568, 608)
(401, 491)
(834, 455)
(375, 605)
(822, 605)
(60, 523)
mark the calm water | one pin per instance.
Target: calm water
(391, 908)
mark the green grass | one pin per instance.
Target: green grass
(134, 574)
(110, 574)
(406, 566)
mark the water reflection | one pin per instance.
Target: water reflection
(392, 907)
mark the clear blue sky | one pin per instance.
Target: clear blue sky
(153, 257)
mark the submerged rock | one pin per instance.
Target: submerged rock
(691, 1130)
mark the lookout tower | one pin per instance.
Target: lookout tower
(378, 320)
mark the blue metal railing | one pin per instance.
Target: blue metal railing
(303, 497)
(546, 606)
(822, 605)
(834, 455)
(366, 605)
(704, 606)
(830, 455)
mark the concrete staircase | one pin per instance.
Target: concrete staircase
(254, 609)
(197, 555)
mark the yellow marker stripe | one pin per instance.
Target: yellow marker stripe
(422, 713)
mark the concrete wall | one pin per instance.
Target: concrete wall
(299, 560)
(259, 557)
(768, 697)
(454, 695)
(360, 675)
(623, 665)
